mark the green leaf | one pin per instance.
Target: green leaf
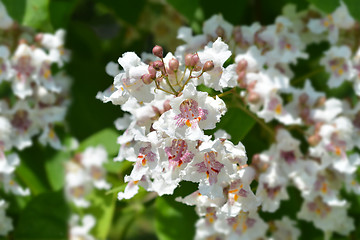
(60, 12)
(327, 6)
(37, 15)
(186, 7)
(55, 169)
(354, 8)
(31, 178)
(45, 217)
(237, 123)
(102, 208)
(107, 138)
(16, 9)
(174, 220)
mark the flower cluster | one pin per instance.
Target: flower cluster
(164, 134)
(33, 97)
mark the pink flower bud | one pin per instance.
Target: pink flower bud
(146, 78)
(39, 37)
(241, 79)
(188, 59)
(303, 98)
(253, 97)
(167, 105)
(241, 66)
(208, 66)
(314, 139)
(158, 51)
(220, 32)
(152, 72)
(158, 65)
(194, 60)
(174, 64)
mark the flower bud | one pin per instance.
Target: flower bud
(241, 66)
(146, 78)
(253, 97)
(39, 37)
(314, 139)
(167, 105)
(194, 60)
(174, 64)
(188, 59)
(241, 79)
(152, 72)
(158, 51)
(208, 66)
(158, 65)
(220, 32)
(303, 98)
(320, 102)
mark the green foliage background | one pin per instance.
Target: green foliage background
(99, 31)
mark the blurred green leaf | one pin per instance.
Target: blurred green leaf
(327, 6)
(31, 178)
(174, 220)
(186, 7)
(102, 208)
(354, 8)
(106, 138)
(15, 8)
(45, 217)
(60, 12)
(55, 169)
(37, 15)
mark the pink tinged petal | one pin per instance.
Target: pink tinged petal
(21, 121)
(191, 114)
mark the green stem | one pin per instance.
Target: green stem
(258, 120)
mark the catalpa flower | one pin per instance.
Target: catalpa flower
(337, 62)
(191, 113)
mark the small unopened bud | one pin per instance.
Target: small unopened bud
(188, 59)
(39, 37)
(305, 113)
(208, 66)
(241, 66)
(241, 79)
(167, 105)
(320, 101)
(146, 78)
(152, 72)
(253, 97)
(194, 60)
(220, 32)
(158, 65)
(158, 51)
(303, 98)
(237, 34)
(174, 64)
(314, 139)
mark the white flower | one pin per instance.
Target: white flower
(191, 113)
(337, 62)
(131, 78)
(5, 222)
(82, 231)
(218, 53)
(217, 25)
(285, 229)
(5, 71)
